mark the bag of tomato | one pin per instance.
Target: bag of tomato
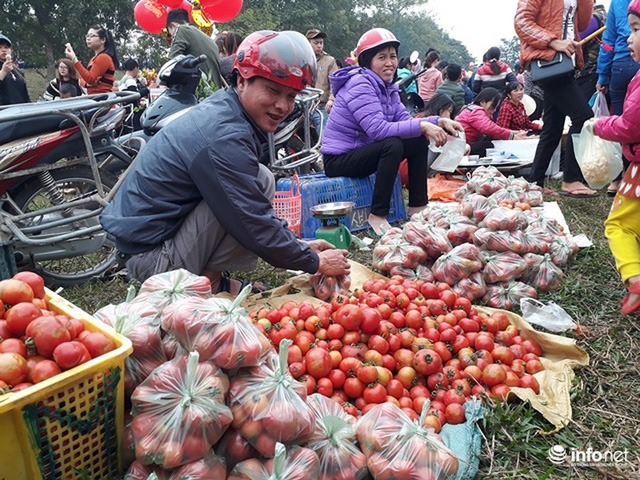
(139, 321)
(166, 288)
(179, 412)
(544, 275)
(218, 329)
(296, 464)
(461, 262)
(235, 448)
(334, 440)
(211, 467)
(269, 405)
(326, 286)
(397, 254)
(398, 447)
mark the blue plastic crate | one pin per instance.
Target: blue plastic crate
(318, 188)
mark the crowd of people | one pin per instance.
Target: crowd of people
(198, 197)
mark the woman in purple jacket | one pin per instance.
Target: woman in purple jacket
(369, 130)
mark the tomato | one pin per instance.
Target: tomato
(469, 325)
(309, 382)
(418, 404)
(500, 392)
(71, 354)
(13, 345)
(398, 319)
(353, 387)
(350, 365)
(512, 380)
(356, 350)
(350, 409)
(473, 372)
(518, 351)
(21, 386)
(462, 385)
(384, 310)
(388, 362)
(35, 281)
(403, 358)
(529, 381)
(13, 292)
(493, 374)
(394, 343)
(437, 380)
(318, 362)
(406, 376)
(375, 394)
(324, 386)
(402, 300)
(459, 343)
(449, 298)
(20, 316)
(13, 369)
(530, 356)
(98, 343)
(44, 370)
(502, 355)
(338, 377)
(534, 366)
(532, 347)
(349, 316)
(367, 374)
(455, 414)
(378, 343)
(336, 358)
(432, 421)
(483, 341)
(503, 320)
(441, 349)
(463, 304)
(48, 333)
(374, 357)
(453, 396)
(297, 369)
(395, 388)
(384, 376)
(426, 362)
(335, 331)
(430, 291)
(432, 334)
(4, 329)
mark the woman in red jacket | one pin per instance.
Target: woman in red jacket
(99, 76)
(478, 124)
(512, 113)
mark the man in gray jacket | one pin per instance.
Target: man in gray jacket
(198, 197)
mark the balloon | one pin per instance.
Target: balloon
(184, 5)
(150, 15)
(221, 10)
(171, 3)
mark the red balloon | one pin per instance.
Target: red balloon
(150, 15)
(185, 6)
(171, 3)
(221, 10)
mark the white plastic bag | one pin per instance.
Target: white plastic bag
(600, 107)
(600, 160)
(550, 316)
(451, 155)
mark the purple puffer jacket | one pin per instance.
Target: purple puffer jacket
(365, 111)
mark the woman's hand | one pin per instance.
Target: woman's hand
(430, 130)
(567, 46)
(328, 106)
(69, 53)
(520, 135)
(602, 88)
(451, 127)
(7, 66)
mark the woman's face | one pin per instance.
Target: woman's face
(63, 70)
(447, 112)
(517, 95)
(385, 64)
(489, 107)
(94, 42)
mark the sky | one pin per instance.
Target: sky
(479, 24)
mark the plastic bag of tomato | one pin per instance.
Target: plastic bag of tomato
(211, 467)
(296, 464)
(35, 343)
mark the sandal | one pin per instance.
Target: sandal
(580, 192)
(630, 308)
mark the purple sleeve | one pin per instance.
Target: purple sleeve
(593, 26)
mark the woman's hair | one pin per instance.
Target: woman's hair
(231, 42)
(431, 56)
(443, 65)
(511, 86)
(73, 74)
(220, 42)
(493, 55)
(403, 63)
(109, 44)
(365, 58)
(490, 95)
(438, 103)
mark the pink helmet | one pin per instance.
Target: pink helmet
(634, 7)
(284, 57)
(374, 38)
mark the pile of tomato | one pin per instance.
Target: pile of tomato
(412, 343)
(35, 342)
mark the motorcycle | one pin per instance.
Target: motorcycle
(52, 189)
(411, 100)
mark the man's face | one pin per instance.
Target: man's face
(172, 28)
(267, 103)
(318, 45)
(5, 50)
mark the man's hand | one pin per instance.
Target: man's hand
(602, 88)
(430, 130)
(451, 127)
(319, 245)
(7, 66)
(328, 106)
(567, 46)
(334, 262)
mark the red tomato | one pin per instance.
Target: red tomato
(353, 387)
(20, 316)
(370, 320)
(13, 345)
(324, 386)
(44, 370)
(47, 333)
(406, 376)
(493, 375)
(375, 394)
(426, 362)
(13, 369)
(335, 331)
(455, 413)
(449, 297)
(349, 316)
(71, 354)
(500, 392)
(378, 343)
(532, 347)
(297, 369)
(318, 362)
(13, 292)
(309, 382)
(453, 396)
(367, 374)
(97, 343)
(529, 381)
(430, 291)
(35, 281)
(4, 329)
(502, 355)
(432, 421)
(337, 377)
(395, 388)
(534, 366)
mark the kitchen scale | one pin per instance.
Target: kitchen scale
(332, 229)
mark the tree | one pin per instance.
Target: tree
(510, 50)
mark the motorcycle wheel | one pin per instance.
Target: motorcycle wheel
(74, 182)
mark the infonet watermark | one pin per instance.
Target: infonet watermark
(559, 455)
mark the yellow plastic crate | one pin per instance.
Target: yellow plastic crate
(68, 427)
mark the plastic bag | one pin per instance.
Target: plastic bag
(295, 464)
(211, 467)
(487, 185)
(269, 406)
(218, 329)
(433, 214)
(432, 239)
(550, 225)
(500, 240)
(600, 107)
(550, 316)
(334, 440)
(507, 295)
(179, 412)
(472, 287)
(459, 263)
(451, 153)
(519, 182)
(421, 272)
(561, 250)
(326, 286)
(600, 160)
(508, 195)
(502, 266)
(544, 275)
(502, 218)
(400, 254)
(234, 448)
(398, 447)
(391, 236)
(476, 206)
(533, 198)
(139, 321)
(171, 347)
(166, 288)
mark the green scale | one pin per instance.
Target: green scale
(333, 230)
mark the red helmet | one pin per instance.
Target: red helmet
(284, 57)
(374, 38)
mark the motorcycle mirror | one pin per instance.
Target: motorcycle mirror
(413, 58)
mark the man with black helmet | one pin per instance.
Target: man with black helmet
(13, 88)
(198, 197)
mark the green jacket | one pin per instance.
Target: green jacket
(188, 40)
(455, 91)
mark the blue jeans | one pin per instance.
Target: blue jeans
(319, 119)
(622, 72)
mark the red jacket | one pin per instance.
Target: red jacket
(538, 22)
(514, 117)
(476, 123)
(99, 75)
(625, 128)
